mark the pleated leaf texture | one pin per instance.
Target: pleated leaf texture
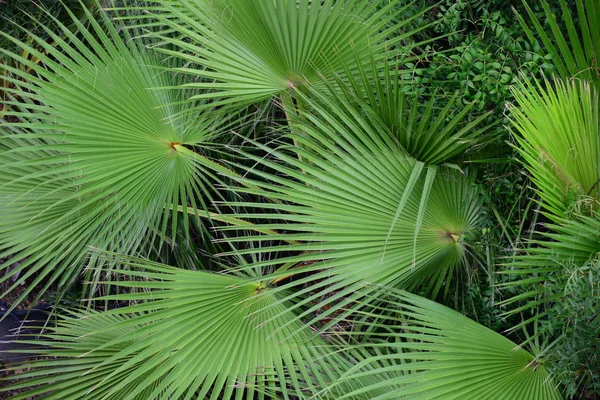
(572, 242)
(558, 132)
(189, 335)
(95, 154)
(249, 51)
(424, 350)
(349, 209)
(380, 98)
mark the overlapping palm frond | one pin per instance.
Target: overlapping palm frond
(351, 209)
(423, 350)
(95, 155)
(249, 51)
(188, 334)
(558, 131)
(575, 51)
(106, 147)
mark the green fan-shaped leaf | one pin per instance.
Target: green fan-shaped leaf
(248, 51)
(429, 133)
(428, 351)
(98, 154)
(188, 334)
(558, 132)
(570, 242)
(350, 210)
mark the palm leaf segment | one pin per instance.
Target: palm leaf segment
(248, 51)
(190, 334)
(572, 242)
(575, 50)
(558, 135)
(95, 158)
(428, 351)
(381, 99)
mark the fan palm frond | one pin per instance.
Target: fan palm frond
(558, 132)
(188, 334)
(379, 97)
(249, 51)
(95, 156)
(350, 210)
(570, 242)
(559, 138)
(428, 351)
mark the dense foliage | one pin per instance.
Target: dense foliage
(304, 199)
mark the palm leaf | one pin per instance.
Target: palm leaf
(249, 51)
(435, 133)
(428, 351)
(350, 210)
(188, 334)
(574, 50)
(571, 242)
(98, 160)
(558, 134)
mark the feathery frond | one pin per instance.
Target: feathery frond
(558, 131)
